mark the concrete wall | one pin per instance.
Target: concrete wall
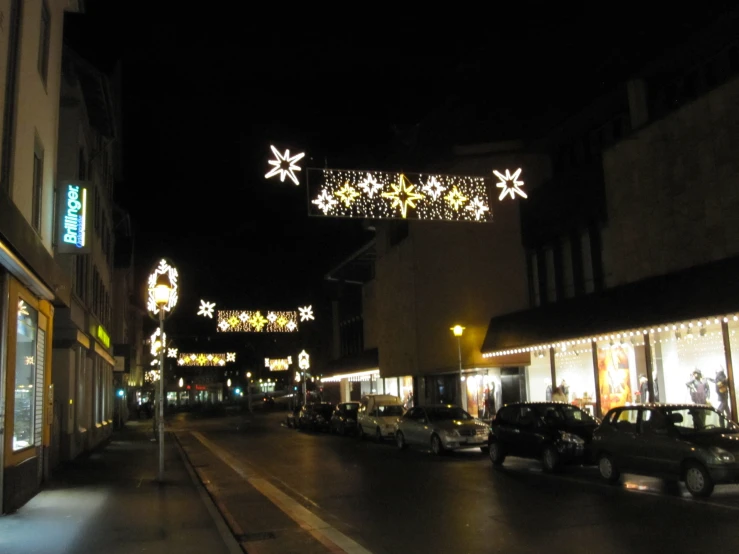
(672, 191)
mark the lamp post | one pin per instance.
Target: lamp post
(248, 389)
(163, 290)
(458, 330)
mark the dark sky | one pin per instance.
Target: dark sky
(206, 91)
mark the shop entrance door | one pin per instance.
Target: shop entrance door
(513, 385)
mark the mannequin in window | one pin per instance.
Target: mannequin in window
(548, 393)
(700, 393)
(644, 389)
(722, 392)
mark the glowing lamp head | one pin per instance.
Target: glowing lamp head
(458, 330)
(163, 288)
(228, 383)
(248, 374)
(161, 294)
(181, 382)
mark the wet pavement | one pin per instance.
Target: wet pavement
(284, 490)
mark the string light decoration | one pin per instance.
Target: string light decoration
(206, 309)
(164, 268)
(384, 195)
(304, 360)
(278, 364)
(156, 342)
(206, 359)
(171, 352)
(510, 184)
(244, 321)
(306, 313)
(284, 165)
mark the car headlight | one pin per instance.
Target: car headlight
(721, 456)
(569, 437)
(453, 434)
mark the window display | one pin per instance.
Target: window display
(688, 360)
(406, 391)
(539, 377)
(575, 377)
(618, 374)
(25, 376)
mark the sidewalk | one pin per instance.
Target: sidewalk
(111, 502)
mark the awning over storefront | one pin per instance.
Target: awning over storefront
(366, 360)
(698, 292)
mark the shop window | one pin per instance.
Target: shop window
(539, 377)
(25, 376)
(618, 373)
(687, 361)
(575, 376)
(723, 394)
(406, 391)
(483, 394)
(391, 386)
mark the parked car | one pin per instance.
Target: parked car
(292, 417)
(441, 428)
(556, 433)
(377, 415)
(315, 416)
(688, 442)
(344, 418)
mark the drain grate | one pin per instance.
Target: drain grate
(251, 537)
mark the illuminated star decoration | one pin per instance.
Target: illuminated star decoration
(433, 188)
(403, 195)
(230, 356)
(510, 184)
(306, 313)
(347, 194)
(206, 309)
(172, 353)
(284, 165)
(478, 207)
(455, 198)
(325, 202)
(370, 185)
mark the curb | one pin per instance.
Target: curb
(223, 528)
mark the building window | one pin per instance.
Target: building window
(587, 261)
(25, 377)
(44, 40)
(38, 186)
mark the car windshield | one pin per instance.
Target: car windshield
(350, 407)
(444, 413)
(692, 420)
(569, 414)
(384, 411)
(574, 414)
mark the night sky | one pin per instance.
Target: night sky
(207, 91)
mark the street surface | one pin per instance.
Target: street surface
(283, 490)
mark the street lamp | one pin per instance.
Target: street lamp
(163, 289)
(458, 330)
(248, 389)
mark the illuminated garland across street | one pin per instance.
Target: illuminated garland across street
(206, 359)
(278, 364)
(383, 195)
(243, 321)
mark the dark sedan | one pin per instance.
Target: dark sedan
(344, 418)
(316, 416)
(554, 432)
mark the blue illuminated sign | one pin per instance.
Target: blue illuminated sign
(72, 226)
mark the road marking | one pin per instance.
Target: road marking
(331, 538)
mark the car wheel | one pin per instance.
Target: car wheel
(550, 459)
(608, 469)
(360, 432)
(497, 456)
(400, 441)
(436, 446)
(698, 481)
(378, 434)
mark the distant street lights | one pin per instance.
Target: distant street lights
(458, 331)
(248, 389)
(163, 295)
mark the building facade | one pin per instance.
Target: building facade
(631, 283)
(83, 348)
(33, 284)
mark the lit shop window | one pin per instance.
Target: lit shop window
(25, 377)
(574, 375)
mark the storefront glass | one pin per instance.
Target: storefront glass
(723, 393)
(618, 374)
(25, 376)
(539, 377)
(687, 359)
(406, 391)
(575, 376)
(482, 389)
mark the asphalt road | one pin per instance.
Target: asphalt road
(283, 490)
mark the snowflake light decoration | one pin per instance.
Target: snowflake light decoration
(306, 313)
(510, 184)
(370, 186)
(284, 165)
(403, 195)
(203, 359)
(478, 207)
(164, 268)
(230, 356)
(206, 308)
(246, 321)
(347, 194)
(303, 360)
(433, 187)
(325, 202)
(455, 198)
(172, 353)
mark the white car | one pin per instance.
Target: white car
(378, 414)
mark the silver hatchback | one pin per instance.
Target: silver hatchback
(441, 428)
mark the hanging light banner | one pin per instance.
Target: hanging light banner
(243, 321)
(384, 195)
(278, 364)
(206, 359)
(73, 219)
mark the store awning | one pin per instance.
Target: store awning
(707, 290)
(365, 360)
